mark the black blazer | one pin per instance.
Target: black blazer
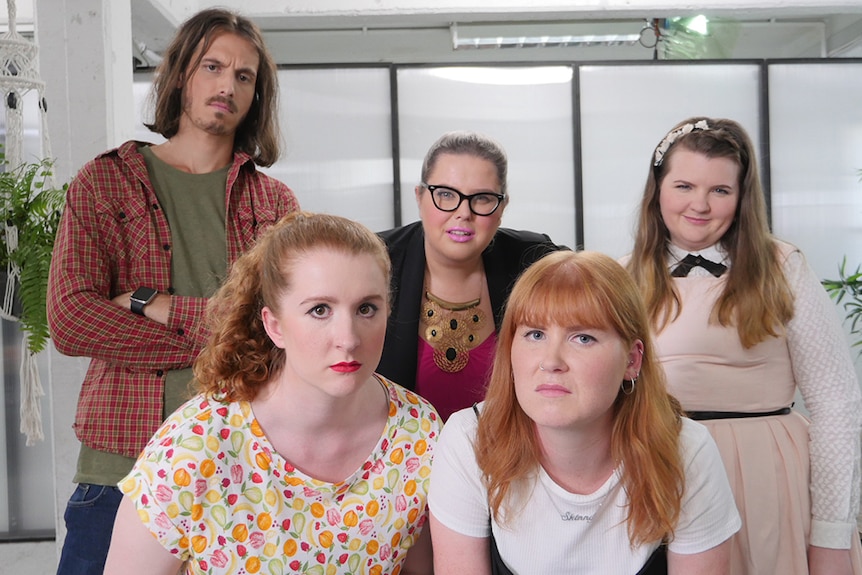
(510, 253)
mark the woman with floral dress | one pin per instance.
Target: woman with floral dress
(295, 457)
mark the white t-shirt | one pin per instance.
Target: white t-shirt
(560, 532)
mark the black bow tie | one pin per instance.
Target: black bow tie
(690, 261)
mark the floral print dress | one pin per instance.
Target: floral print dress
(212, 490)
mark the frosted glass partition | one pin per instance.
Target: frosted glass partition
(338, 155)
(816, 141)
(30, 509)
(336, 131)
(5, 422)
(527, 109)
(626, 111)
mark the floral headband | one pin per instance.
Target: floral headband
(673, 136)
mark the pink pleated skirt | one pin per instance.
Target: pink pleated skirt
(766, 459)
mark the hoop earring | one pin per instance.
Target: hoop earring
(631, 389)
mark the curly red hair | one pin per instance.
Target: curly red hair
(239, 358)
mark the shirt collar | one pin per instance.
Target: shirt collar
(714, 253)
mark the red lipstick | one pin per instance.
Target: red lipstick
(346, 366)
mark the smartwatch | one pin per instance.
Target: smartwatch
(141, 297)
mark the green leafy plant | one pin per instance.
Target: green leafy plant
(847, 290)
(30, 208)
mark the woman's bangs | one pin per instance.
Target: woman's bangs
(566, 300)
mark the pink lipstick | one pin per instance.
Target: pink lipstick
(460, 235)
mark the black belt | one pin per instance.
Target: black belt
(700, 415)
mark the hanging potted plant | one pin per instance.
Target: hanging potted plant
(30, 208)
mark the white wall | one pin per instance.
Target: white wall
(84, 56)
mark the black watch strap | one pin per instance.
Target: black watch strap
(140, 298)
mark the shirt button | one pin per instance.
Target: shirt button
(159, 372)
(181, 331)
(166, 247)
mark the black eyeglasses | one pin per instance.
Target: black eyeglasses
(449, 199)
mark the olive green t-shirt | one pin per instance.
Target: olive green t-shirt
(194, 205)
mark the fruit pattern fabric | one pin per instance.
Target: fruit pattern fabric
(212, 490)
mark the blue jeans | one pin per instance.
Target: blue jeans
(89, 519)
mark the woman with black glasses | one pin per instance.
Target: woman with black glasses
(452, 272)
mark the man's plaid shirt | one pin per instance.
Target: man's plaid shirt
(114, 238)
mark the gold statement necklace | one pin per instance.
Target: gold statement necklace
(452, 330)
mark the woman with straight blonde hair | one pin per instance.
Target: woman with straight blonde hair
(578, 461)
(741, 324)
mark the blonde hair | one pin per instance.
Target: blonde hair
(239, 357)
(757, 298)
(586, 288)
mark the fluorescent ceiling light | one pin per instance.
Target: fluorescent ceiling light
(505, 76)
(548, 35)
(547, 41)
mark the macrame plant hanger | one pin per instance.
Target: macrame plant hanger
(19, 74)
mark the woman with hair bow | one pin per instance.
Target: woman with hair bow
(741, 323)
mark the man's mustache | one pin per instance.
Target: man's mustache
(227, 101)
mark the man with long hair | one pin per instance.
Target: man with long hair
(147, 235)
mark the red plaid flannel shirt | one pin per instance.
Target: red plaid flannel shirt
(114, 238)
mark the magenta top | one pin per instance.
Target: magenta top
(449, 392)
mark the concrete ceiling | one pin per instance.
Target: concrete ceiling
(360, 31)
